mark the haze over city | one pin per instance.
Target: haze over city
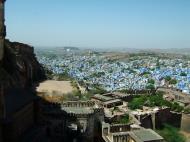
(100, 23)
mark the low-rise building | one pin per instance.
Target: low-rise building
(127, 133)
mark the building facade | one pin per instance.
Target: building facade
(78, 121)
(128, 133)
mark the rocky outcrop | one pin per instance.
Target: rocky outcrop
(20, 67)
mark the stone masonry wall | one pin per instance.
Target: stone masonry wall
(2, 29)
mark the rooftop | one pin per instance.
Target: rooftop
(145, 135)
(102, 97)
(117, 94)
(78, 110)
(112, 101)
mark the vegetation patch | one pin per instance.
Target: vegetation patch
(123, 120)
(170, 80)
(171, 134)
(153, 100)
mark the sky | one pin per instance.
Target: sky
(100, 23)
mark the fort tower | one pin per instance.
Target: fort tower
(2, 28)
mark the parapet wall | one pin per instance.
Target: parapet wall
(138, 91)
(146, 121)
(78, 104)
(161, 117)
(119, 128)
(168, 116)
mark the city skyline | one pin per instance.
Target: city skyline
(100, 24)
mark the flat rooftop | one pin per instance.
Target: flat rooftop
(78, 110)
(116, 94)
(144, 135)
(102, 97)
(112, 101)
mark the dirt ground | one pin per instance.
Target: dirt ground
(50, 86)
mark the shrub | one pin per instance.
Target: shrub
(171, 134)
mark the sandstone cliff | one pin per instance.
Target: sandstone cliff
(20, 67)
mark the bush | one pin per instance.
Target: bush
(123, 120)
(145, 73)
(173, 81)
(176, 107)
(150, 86)
(187, 110)
(167, 78)
(154, 100)
(171, 134)
(183, 74)
(138, 102)
(63, 76)
(151, 81)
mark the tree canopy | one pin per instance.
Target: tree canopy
(153, 100)
(167, 78)
(183, 74)
(151, 81)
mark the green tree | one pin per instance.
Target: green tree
(173, 81)
(151, 81)
(183, 74)
(150, 86)
(137, 103)
(145, 73)
(167, 78)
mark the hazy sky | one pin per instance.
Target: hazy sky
(100, 23)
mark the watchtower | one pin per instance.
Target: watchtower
(2, 28)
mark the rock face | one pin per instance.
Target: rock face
(2, 28)
(20, 67)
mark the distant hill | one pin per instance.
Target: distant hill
(185, 51)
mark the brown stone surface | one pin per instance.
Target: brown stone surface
(20, 67)
(2, 29)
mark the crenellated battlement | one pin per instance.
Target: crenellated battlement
(81, 108)
(78, 104)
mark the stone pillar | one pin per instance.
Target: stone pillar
(2, 28)
(153, 120)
